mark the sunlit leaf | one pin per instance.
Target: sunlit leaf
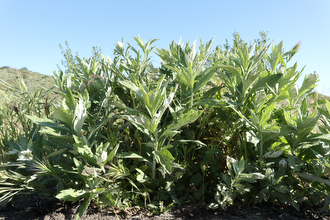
(141, 177)
(70, 194)
(56, 153)
(142, 123)
(45, 122)
(165, 159)
(308, 85)
(111, 154)
(80, 115)
(182, 120)
(84, 205)
(313, 178)
(206, 76)
(252, 138)
(233, 70)
(273, 154)
(63, 115)
(266, 115)
(270, 80)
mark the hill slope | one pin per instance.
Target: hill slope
(33, 80)
(10, 84)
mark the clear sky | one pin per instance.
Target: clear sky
(31, 30)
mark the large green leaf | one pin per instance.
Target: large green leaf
(289, 120)
(45, 122)
(209, 93)
(233, 70)
(273, 132)
(255, 120)
(327, 106)
(306, 124)
(275, 57)
(250, 80)
(155, 96)
(314, 152)
(242, 57)
(142, 122)
(165, 158)
(132, 87)
(166, 103)
(80, 115)
(252, 138)
(270, 80)
(266, 115)
(313, 178)
(186, 78)
(182, 120)
(141, 177)
(83, 149)
(70, 194)
(64, 116)
(296, 163)
(111, 154)
(324, 137)
(308, 85)
(84, 205)
(56, 153)
(206, 76)
(69, 100)
(86, 153)
(131, 155)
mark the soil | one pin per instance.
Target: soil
(33, 207)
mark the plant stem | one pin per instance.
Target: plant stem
(191, 97)
(261, 153)
(153, 169)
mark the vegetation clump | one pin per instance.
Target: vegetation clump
(215, 126)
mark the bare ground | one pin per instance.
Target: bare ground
(33, 207)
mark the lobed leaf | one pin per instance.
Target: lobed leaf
(165, 158)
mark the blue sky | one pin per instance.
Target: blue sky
(31, 31)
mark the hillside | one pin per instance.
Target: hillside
(33, 80)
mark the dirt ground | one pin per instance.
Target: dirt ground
(32, 208)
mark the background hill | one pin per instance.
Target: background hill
(33, 80)
(10, 82)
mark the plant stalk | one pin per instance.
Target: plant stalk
(153, 169)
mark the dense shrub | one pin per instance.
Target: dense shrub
(217, 126)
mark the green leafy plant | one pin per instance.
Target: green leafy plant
(235, 183)
(156, 103)
(220, 125)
